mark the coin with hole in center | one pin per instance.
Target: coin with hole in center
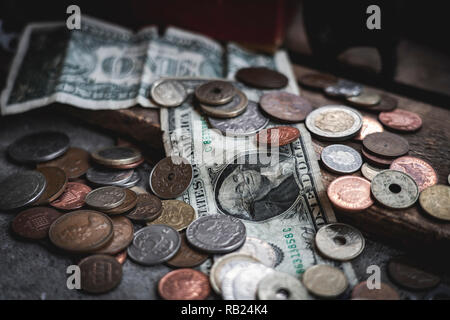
(281, 286)
(171, 177)
(284, 106)
(325, 281)
(435, 200)
(341, 159)
(215, 92)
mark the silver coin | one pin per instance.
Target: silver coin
(105, 198)
(325, 281)
(281, 286)
(105, 177)
(116, 155)
(215, 92)
(134, 180)
(168, 93)
(154, 244)
(216, 233)
(21, 189)
(334, 122)
(394, 189)
(229, 110)
(39, 147)
(339, 241)
(248, 123)
(224, 264)
(340, 158)
(344, 88)
(244, 284)
(369, 172)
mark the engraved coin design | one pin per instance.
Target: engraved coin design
(73, 196)
(341, 159)
(401, 120)
(128, 204)
(21, 189)
(148, 208)
(100, 273)
(261, 77)
(34, 223)
(344, 88)
(75, 163)
(435, 200)
(102, 176)
(369, 172)
(370, 125)
(175, 213)
(122, 237)
(325, 281)
(116, 156)
(421, 171)
(184, 284)
(350, 193)
(187, 257)
(386, 144)
(235, 107)
(106, 198)
(281, 286)
(215, 92)
(285, 106)
(278, 136)
(56, 184)
(171, 177)
(168, 93)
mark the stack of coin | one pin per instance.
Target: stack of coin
(381, 148)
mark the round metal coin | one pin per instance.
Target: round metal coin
(278, 136)
(123, 235)
(104, 177)
(148, 208)
(215, 92)
(369, 172)
(285, 106)
(401, 120)
(134, 180)
(407, 274)
(281, 286)
(184, 284)
(175, 213)
(187, 257)
(34, 223)
(365, 99)
(56, 184)
(344, 88)
(387, 103)
(73, 196)
(318, 81)
(128, 204)
(117, 156)
(376, 160)
(385, 292)
(350, 193)
(106, 198)
(168, 93)
(261, 77)
(325, 281)
(435, 200)
(75, 163)
(100, 273)
(339, 158)
(386, 144)
(235, 107)
(421, 171)
(369, 126)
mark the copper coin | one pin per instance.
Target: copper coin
(386, 144)
(128, 204)
(34, 223)
(261, 77)
(285, 106)
(375, 160)
(386, 292)
(317, 80)
(350, 193)
(123, 235)
(148, 208)
(370, 125)
(187, 257)
(387, 103)
(100, 273)
(75, 163)
(401, 120)
(176, 214)
(72, 197)
(81, 231)
(278, 136)
(56, 184)
(184, 284)
(121, 257)
(171, 177)
(127, 166)
(408, 274)
(215, 92)
(421, 171)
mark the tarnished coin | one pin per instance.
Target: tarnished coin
(148, 208)
(184, 284)
(369, 172)
(370, 125)
(39, 147)
(261, 77)
(281, 286)
(387, 103)
(56, 184)
(175, 213)
(106, 198)
(408, 274)
(128, 204)
(73, 196)
(225, 264)
(386, 292)
(116, 156)
(122, 237)
(350, 193)
(435, 200)
(75, 163)
(285, 106)
(341, 159)
(344, 88)
(235, 107)
(376, 160)
(21, 189)
(81, 231)
(278, 136)
(386, 144)
(421, 171)
(34, 223)
(401, 120)
(154, 244)
(168, 93)
(394, 189)
(339, 241)
(187, 257)
(100, 273)
(317, 80)
(216, 233)
(334, 122)
(365, 99)
(105, 177)
(171, 177)
(215, 92)
(248, 123)
(134, 180)
(325, 281)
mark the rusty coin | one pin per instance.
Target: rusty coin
(401, 120)
(375, 160)
(435, 200)
(128, 204)
(171, 177)
(148, 208)
(116, 156)
(285, 106)
(75, 163)
(261, 77)
(232, 109)
(121, 257)
(317, 80)
(81, 231)
(278, 136)
(215, 92)
(408, 274)
(175, 213)
(386, 292)
(34, 223)
(350, 193)
(369, 126)
(123, 235)
(73, 196)
(184, 284)
(56, 184)
(100, 273)
(386, 144)
(421, 171)
(187, 257)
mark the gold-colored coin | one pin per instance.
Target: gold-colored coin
(176, 214)
(365, 99)
(232, 109)
(435, 200)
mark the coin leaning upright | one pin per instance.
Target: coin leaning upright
(281, 286)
